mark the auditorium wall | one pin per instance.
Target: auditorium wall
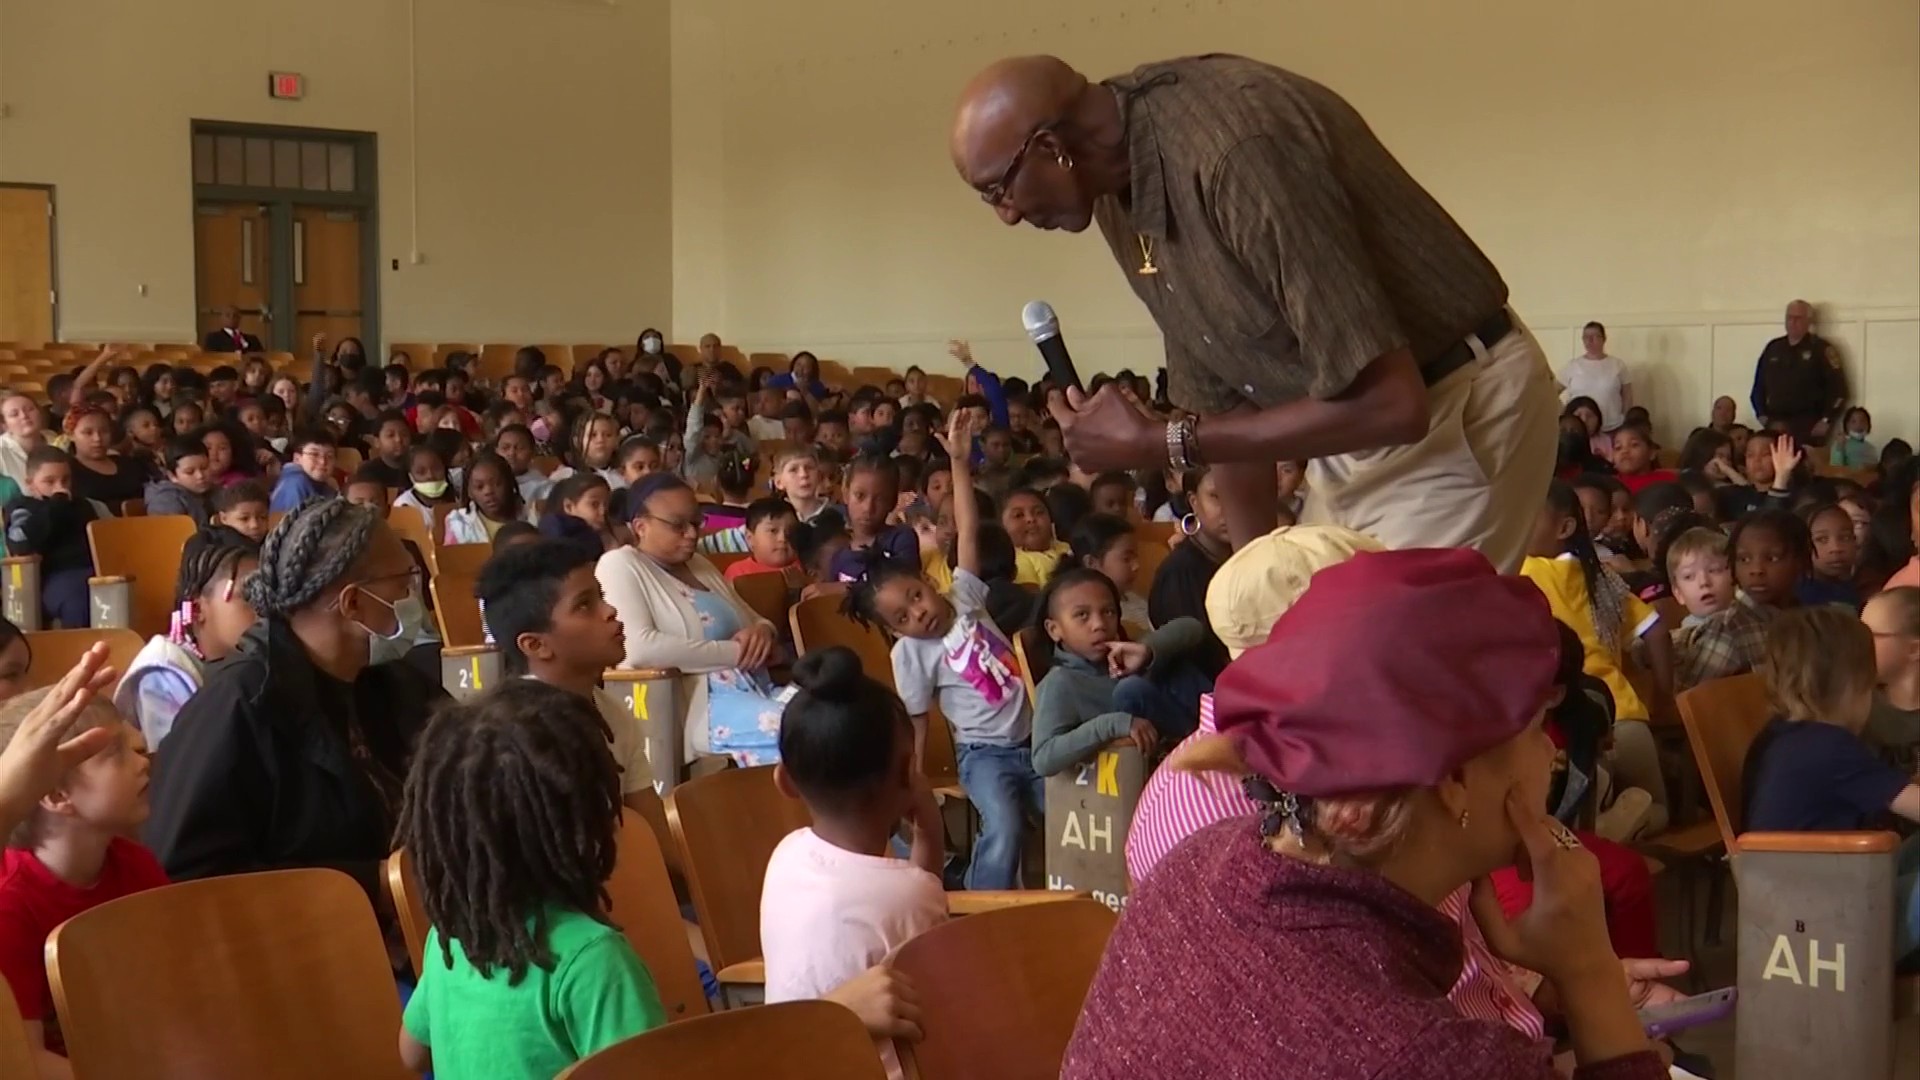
(535, 151)
(1678, 171)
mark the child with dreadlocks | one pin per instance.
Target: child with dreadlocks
(1599, 607)
(511, 815)
(210, 613)
(947, 647)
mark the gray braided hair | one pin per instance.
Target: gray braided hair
(311, 548)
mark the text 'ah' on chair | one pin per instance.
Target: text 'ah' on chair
(278, 974)
(727, 824)
(56, 651)
(1000, 992)
(145, 551)
(794, 1040)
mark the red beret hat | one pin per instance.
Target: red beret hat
(1392, 669)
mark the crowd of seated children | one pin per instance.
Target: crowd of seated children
(773, 539)
(577, 513)
(1106, 542)
(947, 648)
(1723, 633)
(1099, 686)
(244, 509)
(491, 498)
(1809, 769)
(1609, 619)
(522, 965)
(311, 476)
(836, 901)
(210, 614)
(514, 444)
(873, 496)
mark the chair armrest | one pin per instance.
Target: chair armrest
(1820, 843)
(463, 651)
(975, 902)
(640, 674)
(108, 579)
(744, 973)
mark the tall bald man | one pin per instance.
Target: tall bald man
(1315, 301)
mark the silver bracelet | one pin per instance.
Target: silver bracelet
(1180, 444)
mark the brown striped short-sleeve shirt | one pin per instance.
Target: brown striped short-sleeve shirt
(1293, 249)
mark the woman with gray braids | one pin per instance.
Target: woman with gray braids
(293, 752)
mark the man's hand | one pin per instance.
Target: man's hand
(1110, 431)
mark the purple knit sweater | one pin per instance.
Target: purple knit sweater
(1234, 963)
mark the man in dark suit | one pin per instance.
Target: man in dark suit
(230, 338)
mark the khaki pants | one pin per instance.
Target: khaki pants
(1479, 478)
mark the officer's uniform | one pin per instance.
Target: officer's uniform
(1796, 386)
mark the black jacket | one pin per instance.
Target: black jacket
(221, 340)
(258, 774)
(54, 529)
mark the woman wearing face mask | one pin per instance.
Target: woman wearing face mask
(293, 752)
(651, 355)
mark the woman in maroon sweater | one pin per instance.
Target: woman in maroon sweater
(1391, 730)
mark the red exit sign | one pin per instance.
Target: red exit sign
(286, 85)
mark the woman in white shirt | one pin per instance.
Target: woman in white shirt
(1594, 374)
(679, 612)
(25, 432)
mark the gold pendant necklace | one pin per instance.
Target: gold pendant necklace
(1147, 269)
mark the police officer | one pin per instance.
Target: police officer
(1798, 384)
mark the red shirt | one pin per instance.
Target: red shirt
(750, 565)
(1638, 481)
(33, 902)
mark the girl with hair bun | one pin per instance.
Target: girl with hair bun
(836, 901)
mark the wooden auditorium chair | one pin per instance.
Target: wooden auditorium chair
(794, 1040)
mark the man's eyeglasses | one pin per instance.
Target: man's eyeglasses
(996, 193)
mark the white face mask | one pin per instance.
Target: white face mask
(279, 443)
(651, 345)
(409, 619)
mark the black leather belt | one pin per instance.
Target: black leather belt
(1491, 329)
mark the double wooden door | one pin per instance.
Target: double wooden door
(290, 270)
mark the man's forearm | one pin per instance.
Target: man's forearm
(1250, 495)
(1385, 406)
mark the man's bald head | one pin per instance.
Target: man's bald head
(1039, 142)
(1003, 104)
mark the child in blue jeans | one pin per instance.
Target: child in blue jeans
(948, 648)
(48, 520)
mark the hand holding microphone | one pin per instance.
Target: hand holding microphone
(1108, 430)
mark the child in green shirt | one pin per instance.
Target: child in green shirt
(523, 974)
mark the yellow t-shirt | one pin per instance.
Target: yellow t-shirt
(1565, 584)
(1035, 567)
(933, 567)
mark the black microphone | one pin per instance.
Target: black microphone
(1043, 326)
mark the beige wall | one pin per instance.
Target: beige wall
(543, 193)
(1678, 171)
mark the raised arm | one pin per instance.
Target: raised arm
(83, 382)
(966, 504)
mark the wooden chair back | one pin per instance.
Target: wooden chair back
(723, 559)
(794, 1040)
(56, 651)
(766, 594)
(1722, 718)
(1034, 653)
(727, 825)
(277, 974)
(464, 560)
(147, 551)
(407, 522)
(16, 1054)
(646, 910)
(457, 610)
(818, 624)
(346, 459)
(403, 891)
(133, 508)
(1150, 539)
(1000, 991)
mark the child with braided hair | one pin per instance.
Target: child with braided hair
(511, 816)
(209, 615)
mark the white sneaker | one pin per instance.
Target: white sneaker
(1626, 818)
